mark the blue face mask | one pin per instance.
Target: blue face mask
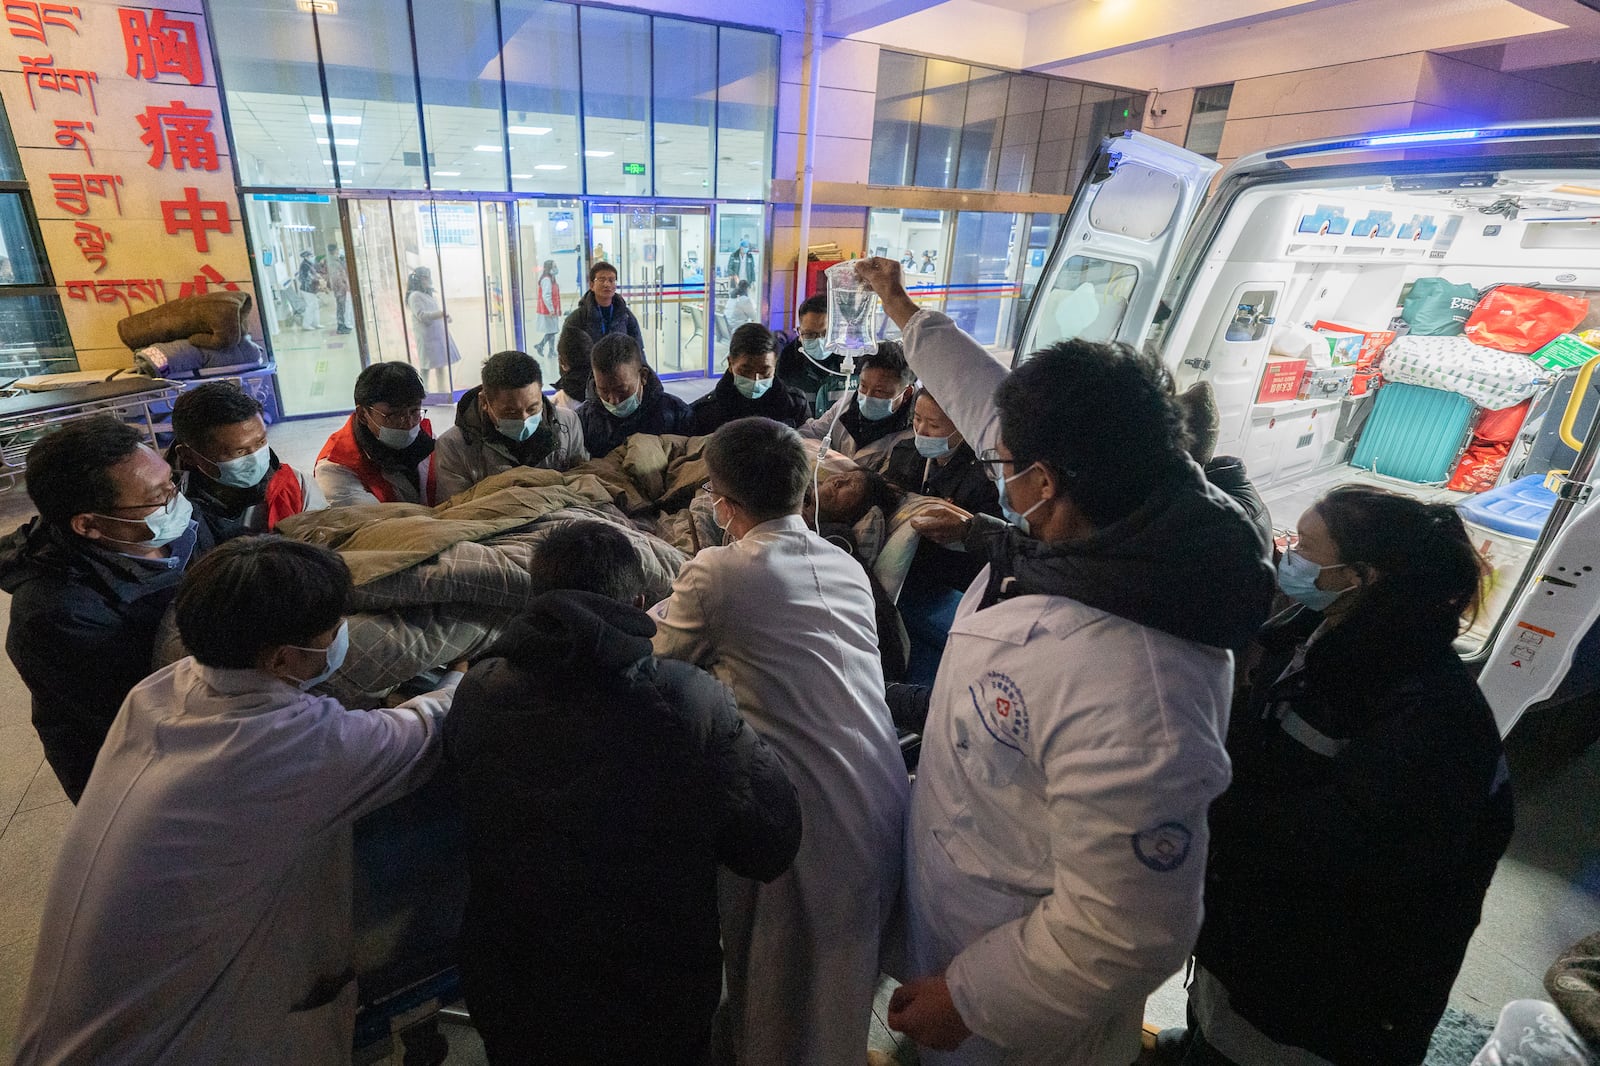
(1297, 577)
(1016, 519)
(398, 439)
(519, 429)
(245, 471)
(812, 346)
(874, 409)
(168, 524)
(626, 407)
(751, 388)
(932, 447)
(335, 653)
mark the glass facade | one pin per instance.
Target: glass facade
(33, 328)
(945, 125)
(472, 157)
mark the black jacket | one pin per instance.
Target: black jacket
(602, 789)
(659, 412)
(725, 403)
(83, 628)
(1188, 562)
(1350, 856)
(586, 317)
(798, 371)
(964, 483)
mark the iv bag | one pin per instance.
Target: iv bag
(852, 313)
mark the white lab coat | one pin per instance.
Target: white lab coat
(200, 910)
(785, 619)
(830, 427)
(1057, 840)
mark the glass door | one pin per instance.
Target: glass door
(554, 269)
(660, 252)
(741, 270)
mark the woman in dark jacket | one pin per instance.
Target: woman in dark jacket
(1370, 800)
(602, 790)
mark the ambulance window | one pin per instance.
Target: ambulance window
(1087, 299)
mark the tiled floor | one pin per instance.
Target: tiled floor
(1546, 894)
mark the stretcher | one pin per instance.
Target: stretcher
(27, 416)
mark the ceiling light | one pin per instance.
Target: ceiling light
(487, 148)
(447, 173)
(593, 154)
(338, 120)
(551, 166)
(320, 7)
(522, 177)
(343, 142)
(529, 131)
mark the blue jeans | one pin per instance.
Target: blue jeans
(928, 611)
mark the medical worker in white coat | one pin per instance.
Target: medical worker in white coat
(1057, 840)
(200, 910)
(785, 619)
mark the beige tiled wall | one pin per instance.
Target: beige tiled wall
(847, 87)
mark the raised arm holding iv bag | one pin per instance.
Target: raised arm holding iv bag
(853, 313)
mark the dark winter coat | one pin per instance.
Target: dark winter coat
(83, 628)
(587, 317)
(798, 371)
(602, 789)
(659, 412)
(964, 483)
(725, 403)
(1349, 858)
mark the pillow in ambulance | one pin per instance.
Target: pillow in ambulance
(1299, 342)
(1438, 308)
(1517, 319)
(1489, 378)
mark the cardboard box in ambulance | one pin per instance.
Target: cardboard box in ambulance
(1334, 235)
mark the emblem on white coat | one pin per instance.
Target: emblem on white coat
(1163, 848)
(1000, 707)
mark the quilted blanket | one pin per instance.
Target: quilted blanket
(1488, 377)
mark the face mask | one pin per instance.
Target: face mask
(932, 447)
(519, 429)
(715, 518)
(873, 409)
(398, 439)
(752, 388)
(166, 525)
(1297, 577)
(1018, 520)
(626, 407)
(813, 348)
(245, 471)
(335, 653)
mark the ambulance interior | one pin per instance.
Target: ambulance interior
(1290, 260)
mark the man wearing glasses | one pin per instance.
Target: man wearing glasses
(385, 452)
(1057, 840)
(805, 366)
(90, 579)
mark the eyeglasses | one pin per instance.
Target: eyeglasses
(398, 418)
(994, 465)
(170, 494)
(813, 334)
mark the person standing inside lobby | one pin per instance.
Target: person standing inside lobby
(602, 311)
(308, 281)
(547, 311)
(339, 284)
(436, 349)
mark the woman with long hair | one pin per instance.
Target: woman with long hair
(1370, 800)
(436, 349)
(547, 311)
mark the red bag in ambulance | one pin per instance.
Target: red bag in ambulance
(1515, 319)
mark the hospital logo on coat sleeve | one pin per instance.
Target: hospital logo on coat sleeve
(1163, 848)
(1001, 709)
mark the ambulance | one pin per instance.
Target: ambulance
(1414, 310)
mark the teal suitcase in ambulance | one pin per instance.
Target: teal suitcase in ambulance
(1414, 433)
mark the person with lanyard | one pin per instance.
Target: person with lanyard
(938, 462)
(225, 467)
(505, 423)
(384, 453)
(602, 311)
(90, 579)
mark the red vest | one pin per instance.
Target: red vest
(285, 496)
(343, 450)
(544, 308)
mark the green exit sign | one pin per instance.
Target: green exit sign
(633, 168)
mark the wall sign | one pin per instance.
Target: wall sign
(118, 121)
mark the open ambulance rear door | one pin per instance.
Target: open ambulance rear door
(1118, 243)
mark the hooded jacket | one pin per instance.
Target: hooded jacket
(725, 403)
(1370, 804)
(473, 449)
(602, 789)
(586, 317)
(868, 443)
(1186, 562)
(659, 412)
(82, 634)
(813, 380)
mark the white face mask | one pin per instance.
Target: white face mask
(398, 439)
(166, 525)
(519, 429)
(333, 655)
